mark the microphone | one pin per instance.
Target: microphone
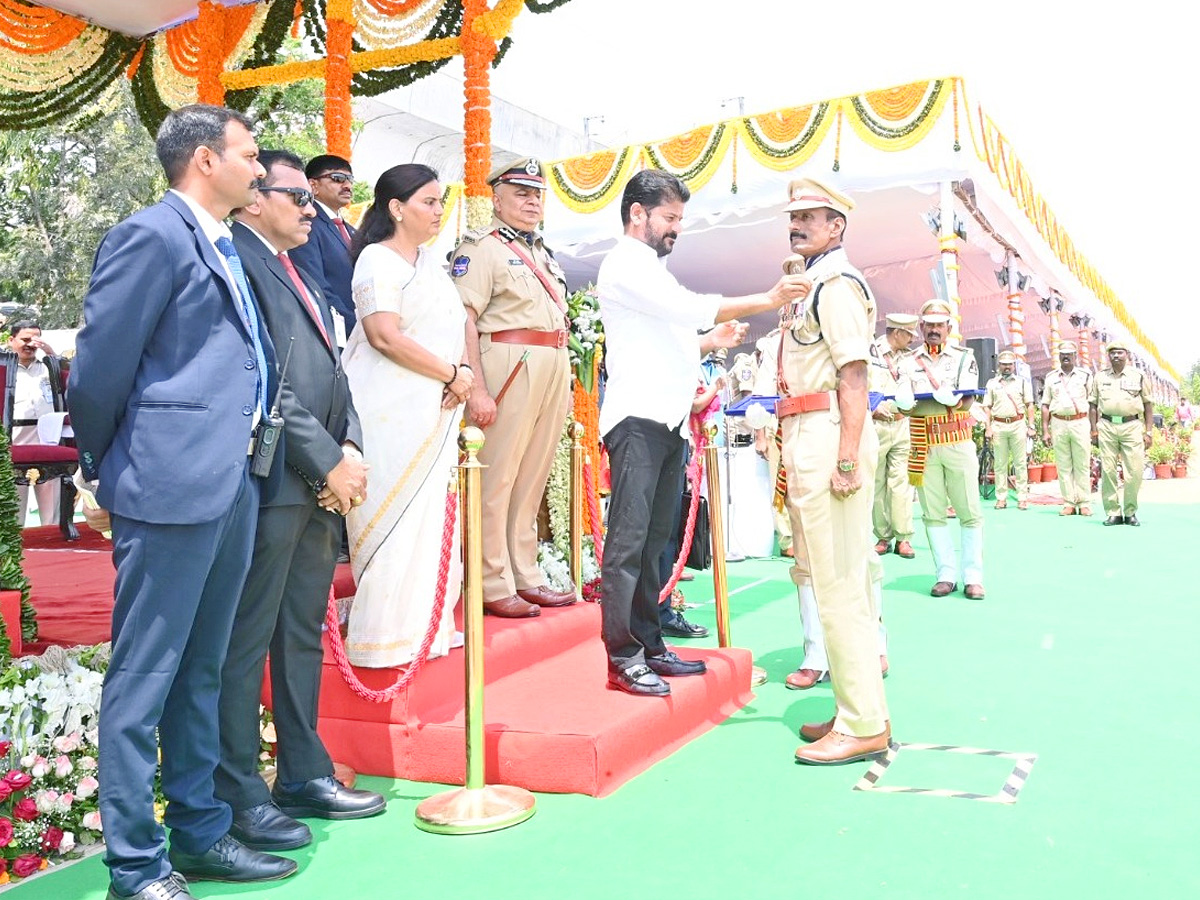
(795, 265)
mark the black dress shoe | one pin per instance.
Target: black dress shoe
(173, 887)
(1132, 520)
(639, 680)
(265, 827)
(679, 627)
(327, 798)
(1115, 520)
(230, 860)
(669, 663)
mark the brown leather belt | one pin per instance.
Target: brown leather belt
(1071, 418)
(556, 339)
(1007, 420)
(805, 403)
(1118, 420)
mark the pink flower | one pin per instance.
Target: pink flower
(6, 831)
(18, 780)
(86, 764)
(51, 838)
(63, 766)
(91, 821)
(24, 866)
(6, 790)
(68, 842)
(88, 785)
(5, 746)
(67, 743)
(25, 809)
(40, 766)
(44, 800)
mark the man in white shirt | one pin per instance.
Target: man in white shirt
(33, 397)
(651, 326)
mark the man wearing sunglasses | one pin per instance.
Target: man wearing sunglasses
(326, 256)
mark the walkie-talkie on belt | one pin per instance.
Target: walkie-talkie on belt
(266, 439)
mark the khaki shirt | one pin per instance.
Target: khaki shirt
(954, 367)
(1067, 395)
(1008, 397)
(833, 326)
(501, 288)
(1120, 395)
(885, 371)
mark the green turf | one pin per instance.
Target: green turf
(1082, 653)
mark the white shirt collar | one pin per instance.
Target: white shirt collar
(254, 231)
(329, 212)
(211, 227)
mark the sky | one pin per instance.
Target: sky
(1097, 106)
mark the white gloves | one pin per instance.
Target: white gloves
(904, 397)
(946, 396)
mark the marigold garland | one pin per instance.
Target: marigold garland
(785, 139)
(36, 29)
(693, 157)
(897, 118)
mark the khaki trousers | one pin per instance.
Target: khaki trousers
(831, 539)
(1073, 456)
(783, 524)
(1123, 442)
(1009, 447)
(518, 452)
(891, 514)
(952, 479)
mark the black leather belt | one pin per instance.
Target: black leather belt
(1119, 420)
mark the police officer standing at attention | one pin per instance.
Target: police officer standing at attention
(515, 295)
(1009, 403)
(1065, 428)
(942, 461)
(1121, 413)
(829, 452)
(892, 513)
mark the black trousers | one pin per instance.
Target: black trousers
(642, 514)
(666, 561)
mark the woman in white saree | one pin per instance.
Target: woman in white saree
(406, 364)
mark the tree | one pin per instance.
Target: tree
(1190, 386)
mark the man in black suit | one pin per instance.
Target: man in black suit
(172, 374)
(326, 254)
(295, 548)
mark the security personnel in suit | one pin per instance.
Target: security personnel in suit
(1008, 400)
(515, 295)
(172, 372)
(891, 516)
(282, 607)
(1121, 413)
(942, 461)
(829, 452)
(326, 254)
(1065, 428)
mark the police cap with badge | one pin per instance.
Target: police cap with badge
(526, 172)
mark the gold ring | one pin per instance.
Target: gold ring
(356, 500)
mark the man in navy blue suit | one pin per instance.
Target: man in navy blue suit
(326, 256)
(173, 372)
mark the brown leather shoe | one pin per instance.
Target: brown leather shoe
(904, 548)
(1085, 510)
(543, 595)
(803, 679)
(814, 731)
(1067, 511)
(942, 589)
(510, 608)
(1022, 504)
(883, 547)
(788, 553)
(974, 591)
(837, 748)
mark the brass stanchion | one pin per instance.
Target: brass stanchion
(476, 807)
(577, 501)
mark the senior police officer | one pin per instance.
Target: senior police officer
(942, 462)
(829, 453)
(515, 292)
(892, 516)
(1121, 413)
(1065, 428)
(1008, 400)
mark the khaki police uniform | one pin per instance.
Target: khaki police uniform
(892, 512)
(1120, 402)
(943, 461)
(1065, 398)
(831, 537)
(1008, 399)
(506, 296)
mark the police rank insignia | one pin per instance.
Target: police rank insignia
(458, 268)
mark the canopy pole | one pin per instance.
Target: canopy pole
(948, 244)
(1016, 318)
(1055, 336)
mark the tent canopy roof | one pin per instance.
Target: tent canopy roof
(137, 18)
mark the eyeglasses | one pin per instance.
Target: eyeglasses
(338, 177)
(300, 196)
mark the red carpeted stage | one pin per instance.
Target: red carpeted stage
(551, 723)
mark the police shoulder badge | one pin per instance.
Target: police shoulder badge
(458, 268)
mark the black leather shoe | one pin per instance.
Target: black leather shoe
(327, 798)
(669, 663)
(640, 680)
(1115, 520)
(264, 827)
(1132, 520)
(679, 627)
(173, 887)
(230, 860)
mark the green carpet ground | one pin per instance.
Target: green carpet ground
(1082, 653)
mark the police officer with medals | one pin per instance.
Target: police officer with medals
(829, 452)
(942, 461)
(515, 296)
(1065, 428)
(1008, 400)
(1121, 413)
(892, 517)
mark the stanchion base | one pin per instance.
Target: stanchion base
(475, 810)
(758, 676)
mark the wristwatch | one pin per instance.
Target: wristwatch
(846, 465)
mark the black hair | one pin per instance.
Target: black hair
(326, 162)
(652, 188)
(286, 158)
(397, 183)
(189, 127)
(15, 328)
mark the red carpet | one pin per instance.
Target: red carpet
(72, 584)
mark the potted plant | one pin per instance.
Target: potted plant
(1160, 456)
(1045, 455)
(1036, 462)
(1183, 449)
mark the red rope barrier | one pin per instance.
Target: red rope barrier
(593, 511)
(695, 471)
(335, 632)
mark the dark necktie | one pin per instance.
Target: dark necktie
(309, 302)
(341, 226)
(249, 315)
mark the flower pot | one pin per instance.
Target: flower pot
(1035, 473)
(1049, 471)
(1179, 471)
(1162, 470)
